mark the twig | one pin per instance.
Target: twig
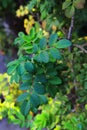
(71, 28)
(81, 47)
(70, 31)
(85, 44)
(70, 50)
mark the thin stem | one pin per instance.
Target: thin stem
(70, 32)
(81, 47)
(71, 28)
(69, 36)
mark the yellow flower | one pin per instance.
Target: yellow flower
(32, 21)
(22, 13)
(26, 21)
(21, 7)
(30, 17)
(33, 9)
(18, 13)
(85, 37)
(26, 11)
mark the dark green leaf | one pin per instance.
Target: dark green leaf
(22, 97)
(63, 43)
(43, 99)
(55, 53)
(23, 106)
(34, 100)
(21, 69)
(40, 78)
(52, 72)
(25, 86)
(39, 88)
(52, 90)
(40, 70)
(55, 81)
(53, 39)
(42, 57)
(43, 43)
(85, 85)
(26, 76)
(27, 108)
(35, 48)
(29, 66)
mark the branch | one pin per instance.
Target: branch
(85, 44)
(71, 28)
(70, 50)
(70, 31)
(81, 47)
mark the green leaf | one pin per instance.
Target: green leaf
(27, 108)
(18, 40)
(32, 33)
(11, 69)
(39, 88)
(21, 69)
(15, 77)
(55, 81)
(70, 11)
(16, 121)
(26, 76)
(35, 48)
(52, 73)
(32, 4)
(63, 43)
(23, 106)
(43, 99)
(43, 14)
(53, 39)
(66, 4)
(42, 57)
(40, 78)
(20, 116)
(85, 85)
(29, 66)
(22, 97)
(25, 86)
(15, 62)
(34, 100)
(20, 34)
(43, 43)
(55, 53)
(52, 90)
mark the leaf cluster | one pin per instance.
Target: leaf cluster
(36, 69)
